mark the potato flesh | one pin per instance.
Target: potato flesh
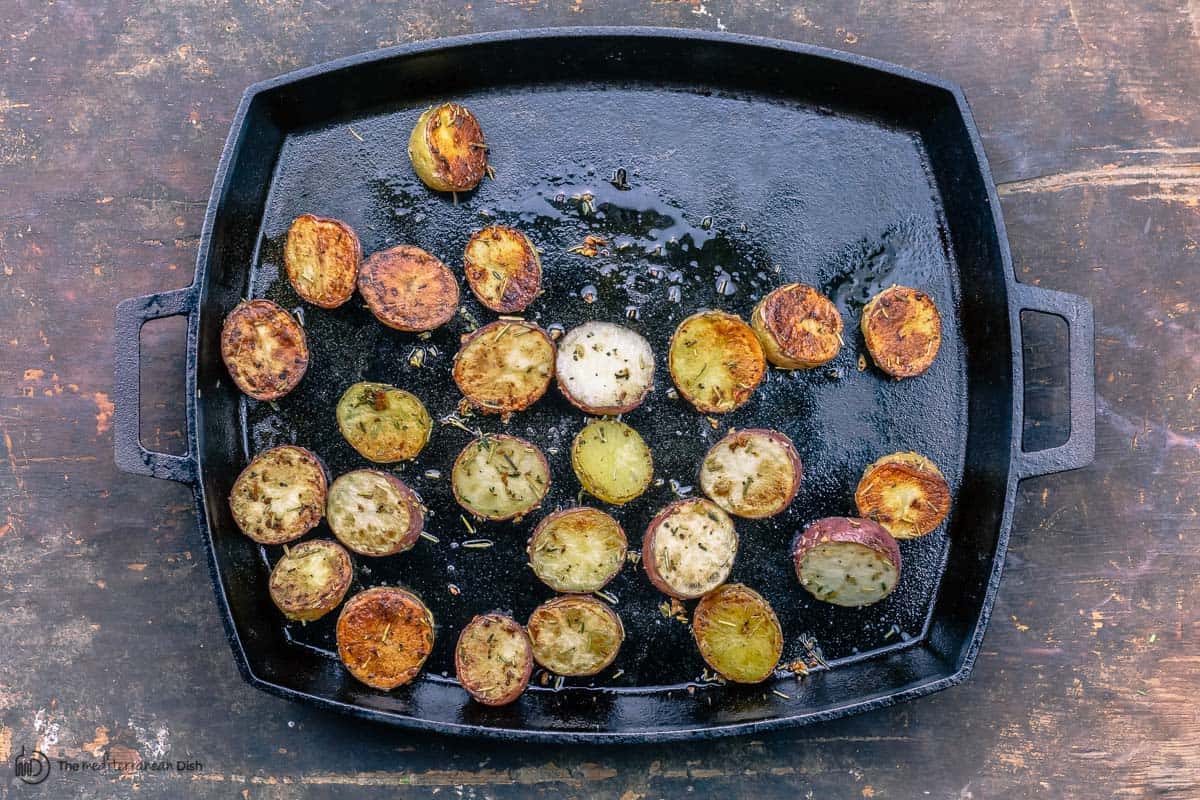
(369, 514)
(847, 574)
(906, 493)
(505, 366)
(383, 423)
(264, 348)
(500, 478)
(749, 475)
(447, 149)
(322, 258)
(279, 496)
(578, 637)
(605, 368)
(493, 659)
(502, 268)
(738, 634)
(902, 330)
(694, 548)
(612, 461)
(578, 551)
(716, 361)
(310, 580)
(384, 636)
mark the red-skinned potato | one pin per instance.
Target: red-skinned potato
(499, 477)
(505, 366)
(689, 548)
(799, 328)
(280, 495)
(604, 369)
(575, 635)
(737, 633)
(716, 361)
(408, 289)
(493, 659)
(577, 549)
(503, 268)
(321, 258)
(903, 331)
(447, 148)
(384, 636)
(310, 579)
(847, 561)
(374, 513)
(264, 349)
(752, 473)
(906, 493)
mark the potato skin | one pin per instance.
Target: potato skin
(906, 493)
(628, 376)
(723, 645)
(447, 148)
(798, 327)
(773, 492)
(264, 349)
(716, 361)
(311, 579)
(573, 524)
(321, 258)
(297, 471)
(630, 479)
(368, 413)
(482, 670)
(384, 636)
(552, 619)
(847, 530)
(505, 366)
(718, 569)
(503, 268)
(540, 471)
(903, 331)
(346, 523)
(408, 289)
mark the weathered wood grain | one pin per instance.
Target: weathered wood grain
(111, 120)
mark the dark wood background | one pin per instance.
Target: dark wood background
(111, 121)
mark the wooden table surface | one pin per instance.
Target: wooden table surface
(111, 122)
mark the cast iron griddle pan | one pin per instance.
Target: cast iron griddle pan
(714, 167)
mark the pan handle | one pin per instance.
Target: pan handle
(1080, 447)
(131, 455)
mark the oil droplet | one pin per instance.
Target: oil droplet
(632, 312)
(588, 293)
(725, 284)
(675, 294)
(556, 330)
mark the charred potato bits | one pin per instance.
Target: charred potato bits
(503, 268)
(505, 366)
(264, 349)
(447, 149)
(500, 477)
(716, 361)
(384, 636)
(577, 550)
(903, 331)
(905, 493)
(798, 327)
(322, 257)
(738, 634)
(493, 659)
(575, 635)
(383, 423)
(408, 289)
(688, 549)
(280, 495)
(752, 473)
(311, 579)
(604, 368)
(374, 513)
(846, 561)
(612, 461)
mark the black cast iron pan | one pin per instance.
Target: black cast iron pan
(748, 163)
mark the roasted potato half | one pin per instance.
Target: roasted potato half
(264, 349)
(374, 513)
(612, 461)
(500, 477)
(604, 368)
(383, 423)
(447, 149)
(503, 268)
(408, 289)
(689, 547)
(847, 561)
(493, 659)
(322, 258)
(505, 366)
(280, 495)
(384, 636)
(738, 634)
(798, 327)
(575, 635)
(577, 550)
(716, 361)
(311, 579)
(903, 331)
(906, 493)
(752, 473)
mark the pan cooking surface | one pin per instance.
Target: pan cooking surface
(723, 198)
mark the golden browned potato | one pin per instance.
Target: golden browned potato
(321, 258)
(798, 327)
(500, 477)
(493, 659)
(604, 368)
(384, 636)
(383, 423)
(906, 493)
(505, 366)
(503, 268)
(612, 461)
(374, 513)
(752, 473)
(903, 331)
(716, 361)
(577, 550)
(846, 561)
(280, 495)
(408, 289)
(689, 548)
(447, 149)
(264, 349)
(738, 633)
(311, 579)
(575, 635)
